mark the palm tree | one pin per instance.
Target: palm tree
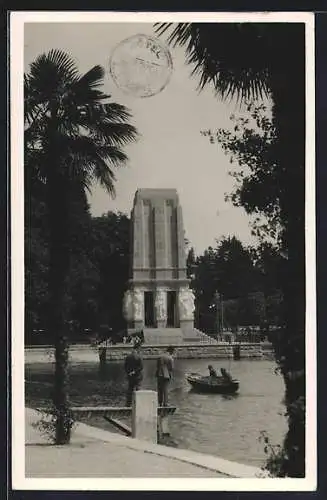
(248, 61)
(73, 137)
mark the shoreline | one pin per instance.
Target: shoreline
(87, 353)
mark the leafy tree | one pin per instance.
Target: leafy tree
(111, 255)
(204, 284)
(82, 279)
(227, 270)
(248, 61)
(269, 264)
(73, 137)
(36, 290)
(190, 262)
(237, 275)
(98, 275)
(36, 257)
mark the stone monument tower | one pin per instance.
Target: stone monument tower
(159, 299)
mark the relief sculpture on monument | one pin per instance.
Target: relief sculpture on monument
(138, 305)
(161, 305)
(128, 306)
(186, 304)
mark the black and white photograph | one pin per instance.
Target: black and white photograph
(163, 251)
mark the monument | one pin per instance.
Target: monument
(159, 299)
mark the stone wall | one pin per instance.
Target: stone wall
(190, 351)
(87, 353)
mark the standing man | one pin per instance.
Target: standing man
(164, 372)
(134, 371)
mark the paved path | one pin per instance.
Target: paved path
(88, 456)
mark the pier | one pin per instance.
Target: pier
(148, 422)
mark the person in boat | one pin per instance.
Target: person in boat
(134, 371)
(226, 376)
(164, 373)
(212, 372)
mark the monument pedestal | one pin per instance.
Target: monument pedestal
(138, 325)
(161, 323)
(187, 326)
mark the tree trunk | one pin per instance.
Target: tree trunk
(61, 402)
(58, 270)
(288, 92)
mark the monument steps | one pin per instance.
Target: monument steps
(195, 335)
(175, 336)
(164, 336)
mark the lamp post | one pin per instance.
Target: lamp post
(217, 303)
(219, 306)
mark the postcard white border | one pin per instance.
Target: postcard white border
(19, 481)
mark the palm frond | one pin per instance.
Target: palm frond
(94, 170)
(113, 155)
(55, 62)
(233, 57)
(70, 127)
(86, 89)
(109, 133)
(49, 79)
(92, 78)
(83, 158)
(116, 112)
(105, 176)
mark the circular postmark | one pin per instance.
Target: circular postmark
(141, 65)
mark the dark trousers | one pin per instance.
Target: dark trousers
(162, 385)
(132, 385)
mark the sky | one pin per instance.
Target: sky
(170, 152)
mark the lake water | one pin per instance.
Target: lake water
(226, 426)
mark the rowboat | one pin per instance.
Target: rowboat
(217, 385)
